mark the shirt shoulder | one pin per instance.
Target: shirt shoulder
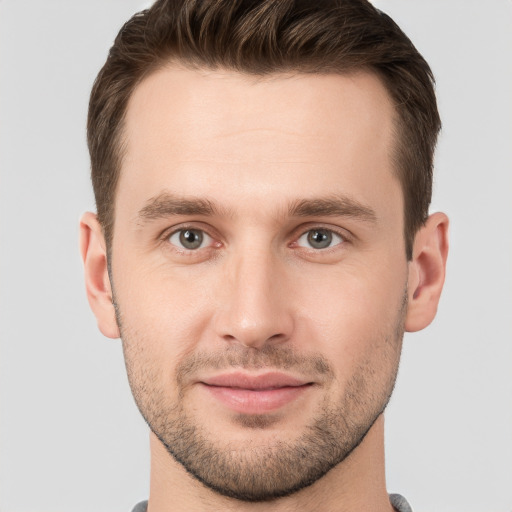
(400, 503)
(141, 507)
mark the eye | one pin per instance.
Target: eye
(190, 239)
(319, 238)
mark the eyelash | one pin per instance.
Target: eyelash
(342, 234)
(182, 250)
(334, 233)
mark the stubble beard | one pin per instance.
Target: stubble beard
(247, 471)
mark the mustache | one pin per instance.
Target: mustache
(246, 358)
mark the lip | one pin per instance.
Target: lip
(255, 394)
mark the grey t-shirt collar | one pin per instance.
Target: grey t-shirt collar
(397, 500)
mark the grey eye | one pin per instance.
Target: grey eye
(190, 239)
(319, 239)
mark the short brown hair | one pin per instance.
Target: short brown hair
(262, 37)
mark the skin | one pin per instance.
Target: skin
(257, 294)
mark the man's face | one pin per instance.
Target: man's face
(259, 271)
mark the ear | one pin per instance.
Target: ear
(427, 272)
(97, 282)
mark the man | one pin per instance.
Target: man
(262, 173)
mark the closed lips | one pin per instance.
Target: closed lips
(255, 394)
(263, 382)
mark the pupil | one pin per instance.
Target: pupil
(320, 239)
(191, 239)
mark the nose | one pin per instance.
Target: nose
(256, 306)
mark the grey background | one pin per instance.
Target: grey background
(71, 438)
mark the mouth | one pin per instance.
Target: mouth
(255, 394)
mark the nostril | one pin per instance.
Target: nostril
(277, 337)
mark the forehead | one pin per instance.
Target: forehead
(213, 133)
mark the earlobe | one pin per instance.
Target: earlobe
(97, 283)
(427, 271)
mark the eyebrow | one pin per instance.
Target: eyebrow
(167, 205)
(333, 206)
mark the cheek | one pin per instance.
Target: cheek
(352, 316)
(162, 315)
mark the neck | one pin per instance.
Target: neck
(356, 484)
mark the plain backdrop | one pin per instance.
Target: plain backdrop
(71, 437)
